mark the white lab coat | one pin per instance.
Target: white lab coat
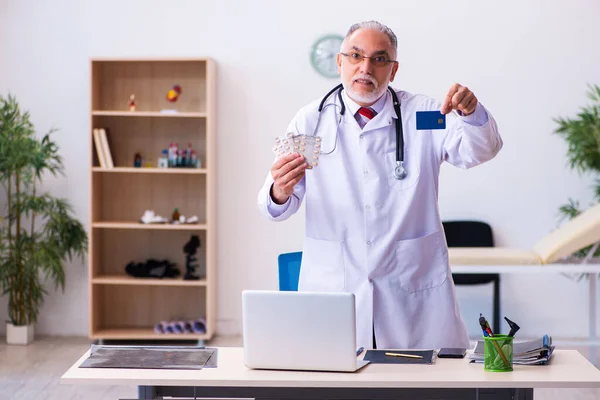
(378, 237)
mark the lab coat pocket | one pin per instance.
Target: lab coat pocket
(422, 263)
(412, 171)
(323, 267)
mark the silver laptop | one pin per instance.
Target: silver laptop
(299, 331)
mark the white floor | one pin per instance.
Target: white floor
(33, 372)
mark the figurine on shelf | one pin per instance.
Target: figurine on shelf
(137, 160)
(173, 93)
(132, 102)
(175, 216)
(190, 249)
(150, 217)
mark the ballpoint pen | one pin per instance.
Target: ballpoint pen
(484, 325)
(403, 355)
(360, 350)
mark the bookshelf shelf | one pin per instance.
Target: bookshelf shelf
(139, 225)
(144, 333)
(132, 170)
(123, 307)
(152, 114)
(129, 280)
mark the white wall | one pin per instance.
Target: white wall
(526, 61)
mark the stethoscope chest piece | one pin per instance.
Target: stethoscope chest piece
(399, 171)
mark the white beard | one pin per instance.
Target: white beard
(367, 98)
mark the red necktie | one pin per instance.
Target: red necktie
(366, 114)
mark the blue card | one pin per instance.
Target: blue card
(430, 120)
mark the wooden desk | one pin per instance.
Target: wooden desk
(446, 379)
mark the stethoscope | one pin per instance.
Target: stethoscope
(399, 170)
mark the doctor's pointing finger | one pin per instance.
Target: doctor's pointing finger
(461, 99)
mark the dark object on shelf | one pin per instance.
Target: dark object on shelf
(152, 269)
(190, 249)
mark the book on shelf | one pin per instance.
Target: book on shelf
(532, 352)
(99, 148)
(102, 148)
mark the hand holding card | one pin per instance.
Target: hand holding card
(461, 99)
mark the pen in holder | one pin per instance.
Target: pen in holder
(498, 353)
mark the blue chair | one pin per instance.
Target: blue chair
(289, 270)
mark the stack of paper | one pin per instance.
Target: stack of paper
(532, 352)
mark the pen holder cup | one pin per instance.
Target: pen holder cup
(498, 353)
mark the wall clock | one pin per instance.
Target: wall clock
(323, 55)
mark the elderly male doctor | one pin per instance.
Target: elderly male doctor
(367, 232)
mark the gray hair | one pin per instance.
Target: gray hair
(378, 26)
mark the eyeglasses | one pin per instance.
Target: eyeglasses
(357, 58)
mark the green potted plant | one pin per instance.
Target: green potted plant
(38, 233)
(582, 135)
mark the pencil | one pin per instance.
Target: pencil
(403, 355)
(501, 353)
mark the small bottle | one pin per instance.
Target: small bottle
(180, 158)
(137, 161)
(163, 160)
(170, 155)
(175, 155)
(175, 216)
(132, 102)
(188, 156)
(193, 159)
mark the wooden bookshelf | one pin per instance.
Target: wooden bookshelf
(122, 306)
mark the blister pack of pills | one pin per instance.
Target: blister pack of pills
(307, 145)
